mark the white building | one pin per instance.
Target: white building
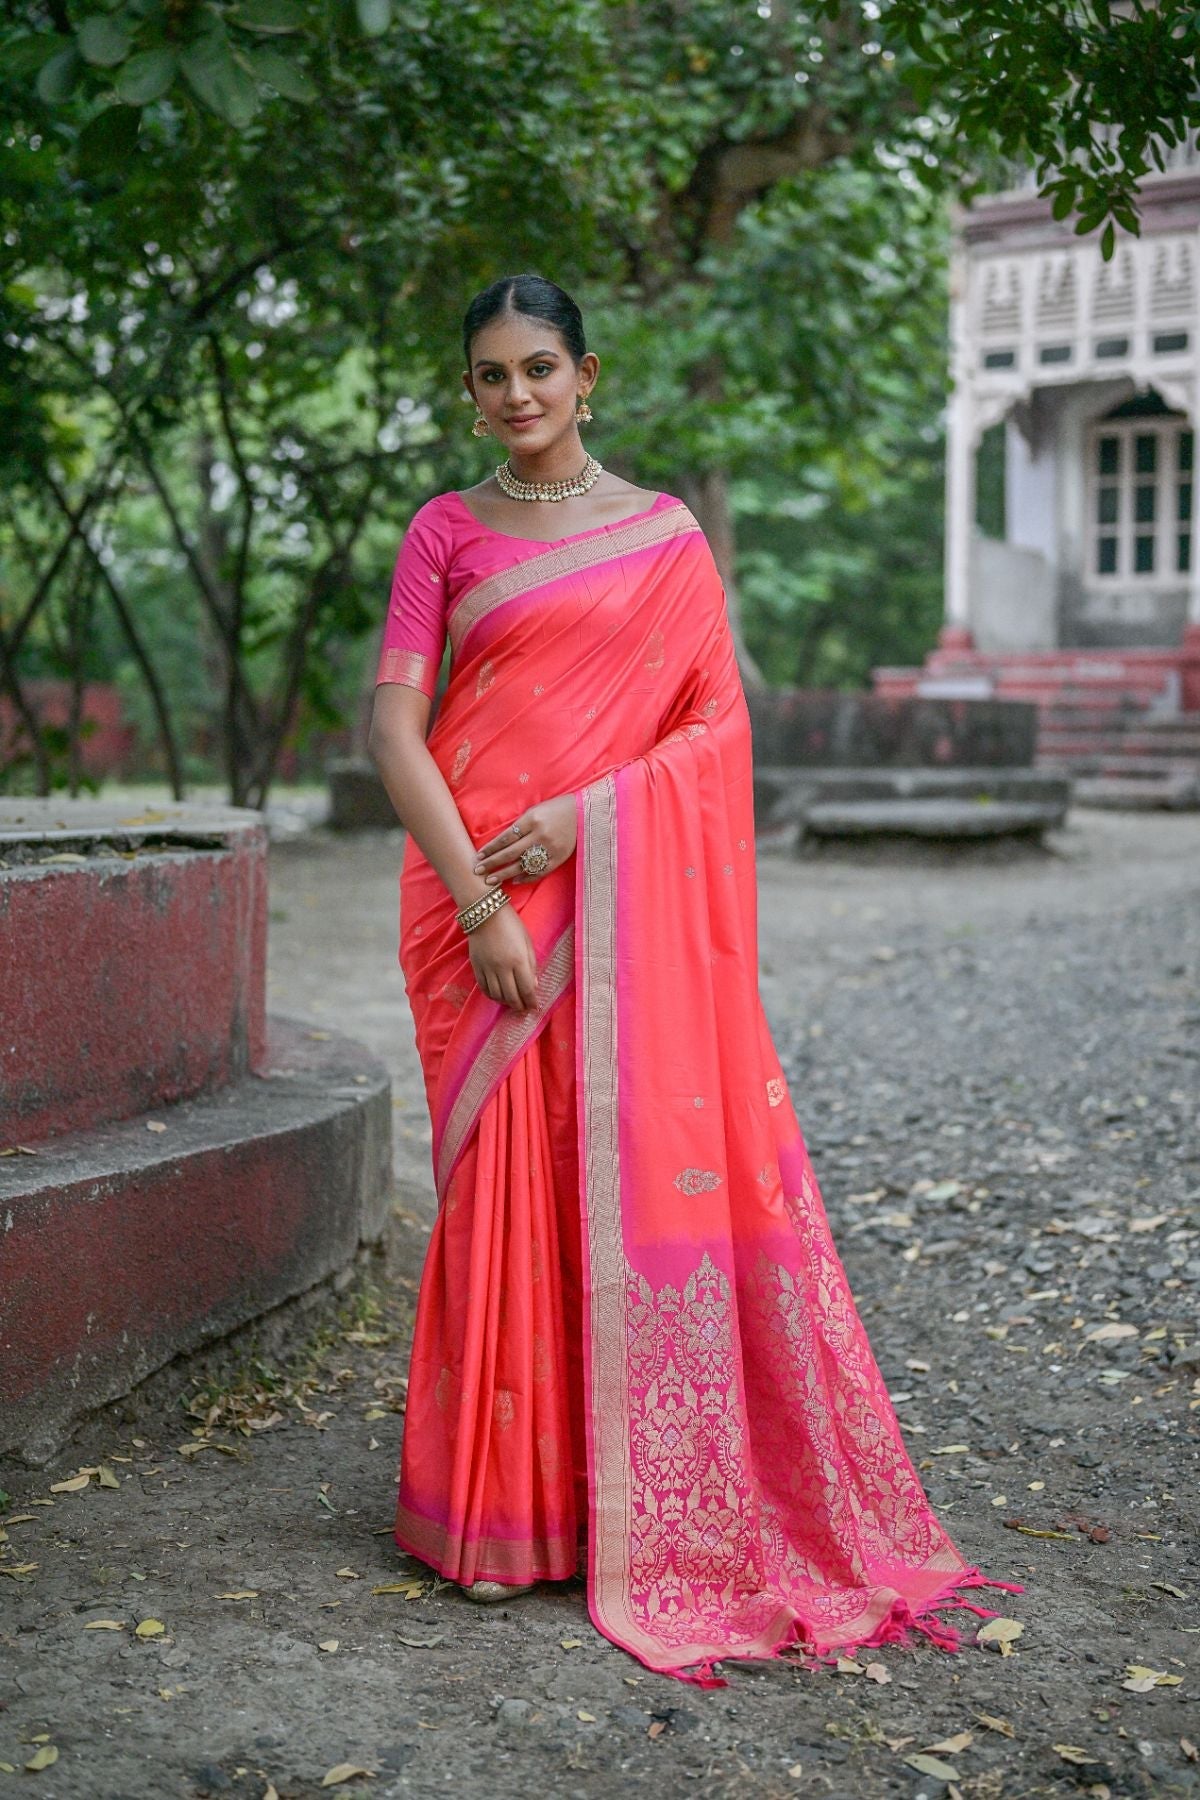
(1091, 372)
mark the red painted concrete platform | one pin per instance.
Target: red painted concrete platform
(122, 1247)
(171, 1167)
(132, 957)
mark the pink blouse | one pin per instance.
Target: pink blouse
(445, 552)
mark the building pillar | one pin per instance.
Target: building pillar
(1189, 674)
(960, 474)
(960, 524)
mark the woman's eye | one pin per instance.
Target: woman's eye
(544, 367)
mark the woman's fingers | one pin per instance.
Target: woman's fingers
(527, 984)
(511, 992)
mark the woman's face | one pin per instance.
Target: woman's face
(526, 383)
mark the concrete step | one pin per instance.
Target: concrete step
(1179, 793)
(1119, 718)
(124, 1247)
(1066, 743)
(932, 818)
(784, 794)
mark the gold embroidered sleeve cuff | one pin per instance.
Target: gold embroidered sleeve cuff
(408, 668)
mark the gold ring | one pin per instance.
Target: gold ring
(534, 860)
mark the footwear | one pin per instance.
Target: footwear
(494, 1593)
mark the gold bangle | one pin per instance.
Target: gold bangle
(472, 916)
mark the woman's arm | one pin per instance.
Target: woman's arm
(501, 949)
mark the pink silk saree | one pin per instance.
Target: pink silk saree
(632, 1313)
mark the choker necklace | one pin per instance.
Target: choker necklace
(516, 489)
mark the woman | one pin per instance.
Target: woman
(632, 1319)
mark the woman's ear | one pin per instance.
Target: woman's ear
(589, 369)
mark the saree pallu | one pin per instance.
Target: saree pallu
(632, 1311)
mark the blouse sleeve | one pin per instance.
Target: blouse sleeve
(414, 636)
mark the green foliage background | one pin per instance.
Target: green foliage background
(240, 235)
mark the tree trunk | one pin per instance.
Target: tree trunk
(708, 497)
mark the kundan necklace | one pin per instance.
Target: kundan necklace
(516, 489)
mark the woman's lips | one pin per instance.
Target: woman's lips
(523, 424)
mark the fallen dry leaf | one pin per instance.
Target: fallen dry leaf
(995, 1724)
(877, 1671)
(571, 1643)
(952, 1745)
(656, 1728)
(240, 1594)
(932, 1765)
(105, 1625)
(74, 1485)
(1140, 1679)
(1112, 1333)
(419, 1641)
(329, 1644)
(344, 1771)
(43, 1758)
(106, 1477)
(149, 1628)
(586, 1718)
(1001, 1632)
(1072, 1753)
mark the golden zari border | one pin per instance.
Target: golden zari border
(607, 1268)
(512, 1035)
(565, 559)
(408, 668)
(503, 1559)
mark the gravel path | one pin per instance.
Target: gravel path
(995, 1060)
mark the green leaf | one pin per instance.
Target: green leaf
(219, 81)
(57, 77)
(374, 16)
(146, 76)
(280, 73)
(1108, 241)
(25, 54)
(269, 15)
(108, 140)
(103, 40)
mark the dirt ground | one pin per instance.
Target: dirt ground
(995, 1058)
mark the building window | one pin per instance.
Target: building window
(1140, 502)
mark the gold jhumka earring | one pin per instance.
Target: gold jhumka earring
(583, 412)
(480, 428)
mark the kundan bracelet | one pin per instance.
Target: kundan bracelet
(483, 908)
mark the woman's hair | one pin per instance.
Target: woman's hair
(534, 296)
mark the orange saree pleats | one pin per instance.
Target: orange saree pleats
(493, 1467)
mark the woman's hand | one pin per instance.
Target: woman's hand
(502, 956)
(550, 823)
(501, 949)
